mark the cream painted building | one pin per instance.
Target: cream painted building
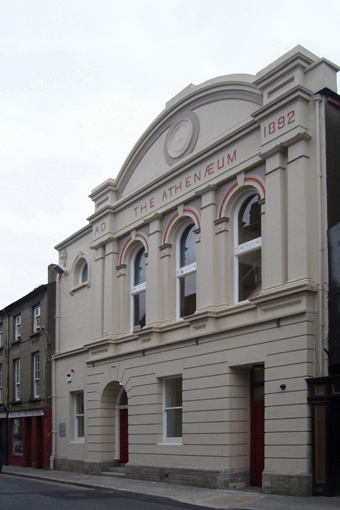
(189, 309)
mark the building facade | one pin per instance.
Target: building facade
(192, 308)
(27, 332)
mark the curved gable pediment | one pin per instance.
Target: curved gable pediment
(191, 121)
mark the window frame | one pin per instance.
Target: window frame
(17, 327)
(36, 318)
(79, 416)
(136, 290)
(243, 248)
(166, 438)
(16, 363)
(183, 271)
(1, 335)
(36, 374)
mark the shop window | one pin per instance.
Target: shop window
(36, 375)
(79, 416)
(186, 271)
(138, 290)
(248, 243)
(1, 387)
(17, 436)
(36, 318)
(172, 398)
(17, 327)
(17, 379)
(1, 335)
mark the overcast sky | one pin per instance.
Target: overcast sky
(82, 79)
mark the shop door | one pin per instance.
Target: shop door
(257, 426)
(124, 435)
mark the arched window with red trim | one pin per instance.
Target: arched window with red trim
(248, 248)
(186, 271)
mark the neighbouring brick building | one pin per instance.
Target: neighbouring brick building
(192, 319)
(27, 332)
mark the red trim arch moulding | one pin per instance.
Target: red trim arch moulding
(129, 241)
(247, 179)
(187, 210)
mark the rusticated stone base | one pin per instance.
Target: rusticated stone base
(61, 464)
(210, 479)
(298, 484)
(80, 466)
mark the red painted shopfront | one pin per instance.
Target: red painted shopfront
(29, 438)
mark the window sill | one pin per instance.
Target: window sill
(78, 287)
(78, 441)
(15, 402)
(171, 443)
(35, 399)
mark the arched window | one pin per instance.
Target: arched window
(248, 243)
(138, 290)
(81, 271)
(186, 271)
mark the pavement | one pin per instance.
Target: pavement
(249, 499)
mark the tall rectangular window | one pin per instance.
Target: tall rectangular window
(138, 290)
(1, 335)
(17, 379)
(79, 416)
(36, 318)
(172, 399)
(1, 392)
(186, 271)
(17, 327)
(36, 375)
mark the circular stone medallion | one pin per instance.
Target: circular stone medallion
(180, 138)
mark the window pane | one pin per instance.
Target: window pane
(258, 393)
(84, 274)
(79, 403)
(249, 274)
(140, 268)
(188, 247)
(139, 309)
(187, 295)
(80, 425)
(17, 438)
(174, 423)
(123, 399)
(173, 392)
(249, 220)
(258, 374)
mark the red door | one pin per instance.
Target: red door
(124, 435)
(257, 426)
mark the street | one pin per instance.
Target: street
(19, 493)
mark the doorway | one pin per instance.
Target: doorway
(122, 405)
(257, 426)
